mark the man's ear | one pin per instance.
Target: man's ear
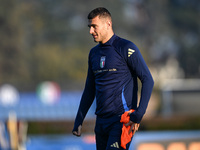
(109, 24)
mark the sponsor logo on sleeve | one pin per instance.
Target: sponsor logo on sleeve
(130, 52)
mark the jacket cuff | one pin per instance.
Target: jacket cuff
(135, 117)
(75, 129)
(76, 125)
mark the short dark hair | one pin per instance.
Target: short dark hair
(100, 11)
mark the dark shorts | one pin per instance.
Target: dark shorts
(108, 134)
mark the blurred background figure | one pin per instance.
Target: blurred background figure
(4, 142)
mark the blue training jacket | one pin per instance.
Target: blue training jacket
(113, 69)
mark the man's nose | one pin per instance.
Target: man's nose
(91, 30)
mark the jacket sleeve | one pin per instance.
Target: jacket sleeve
(86, 99)
(139, 68)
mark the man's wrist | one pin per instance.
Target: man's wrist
(134, 117)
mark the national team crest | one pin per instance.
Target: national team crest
(102, 61)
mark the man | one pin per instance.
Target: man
(113, 68)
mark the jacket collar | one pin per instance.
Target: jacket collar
(109, 42)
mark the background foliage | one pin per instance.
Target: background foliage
(49, 40)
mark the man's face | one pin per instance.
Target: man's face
(98, 29)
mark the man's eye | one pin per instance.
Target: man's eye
(91, 26)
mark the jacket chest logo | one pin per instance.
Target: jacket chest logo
(102, 61)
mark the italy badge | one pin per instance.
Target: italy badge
(102, 61)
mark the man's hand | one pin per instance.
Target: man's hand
(77, 133)
(134, 126)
